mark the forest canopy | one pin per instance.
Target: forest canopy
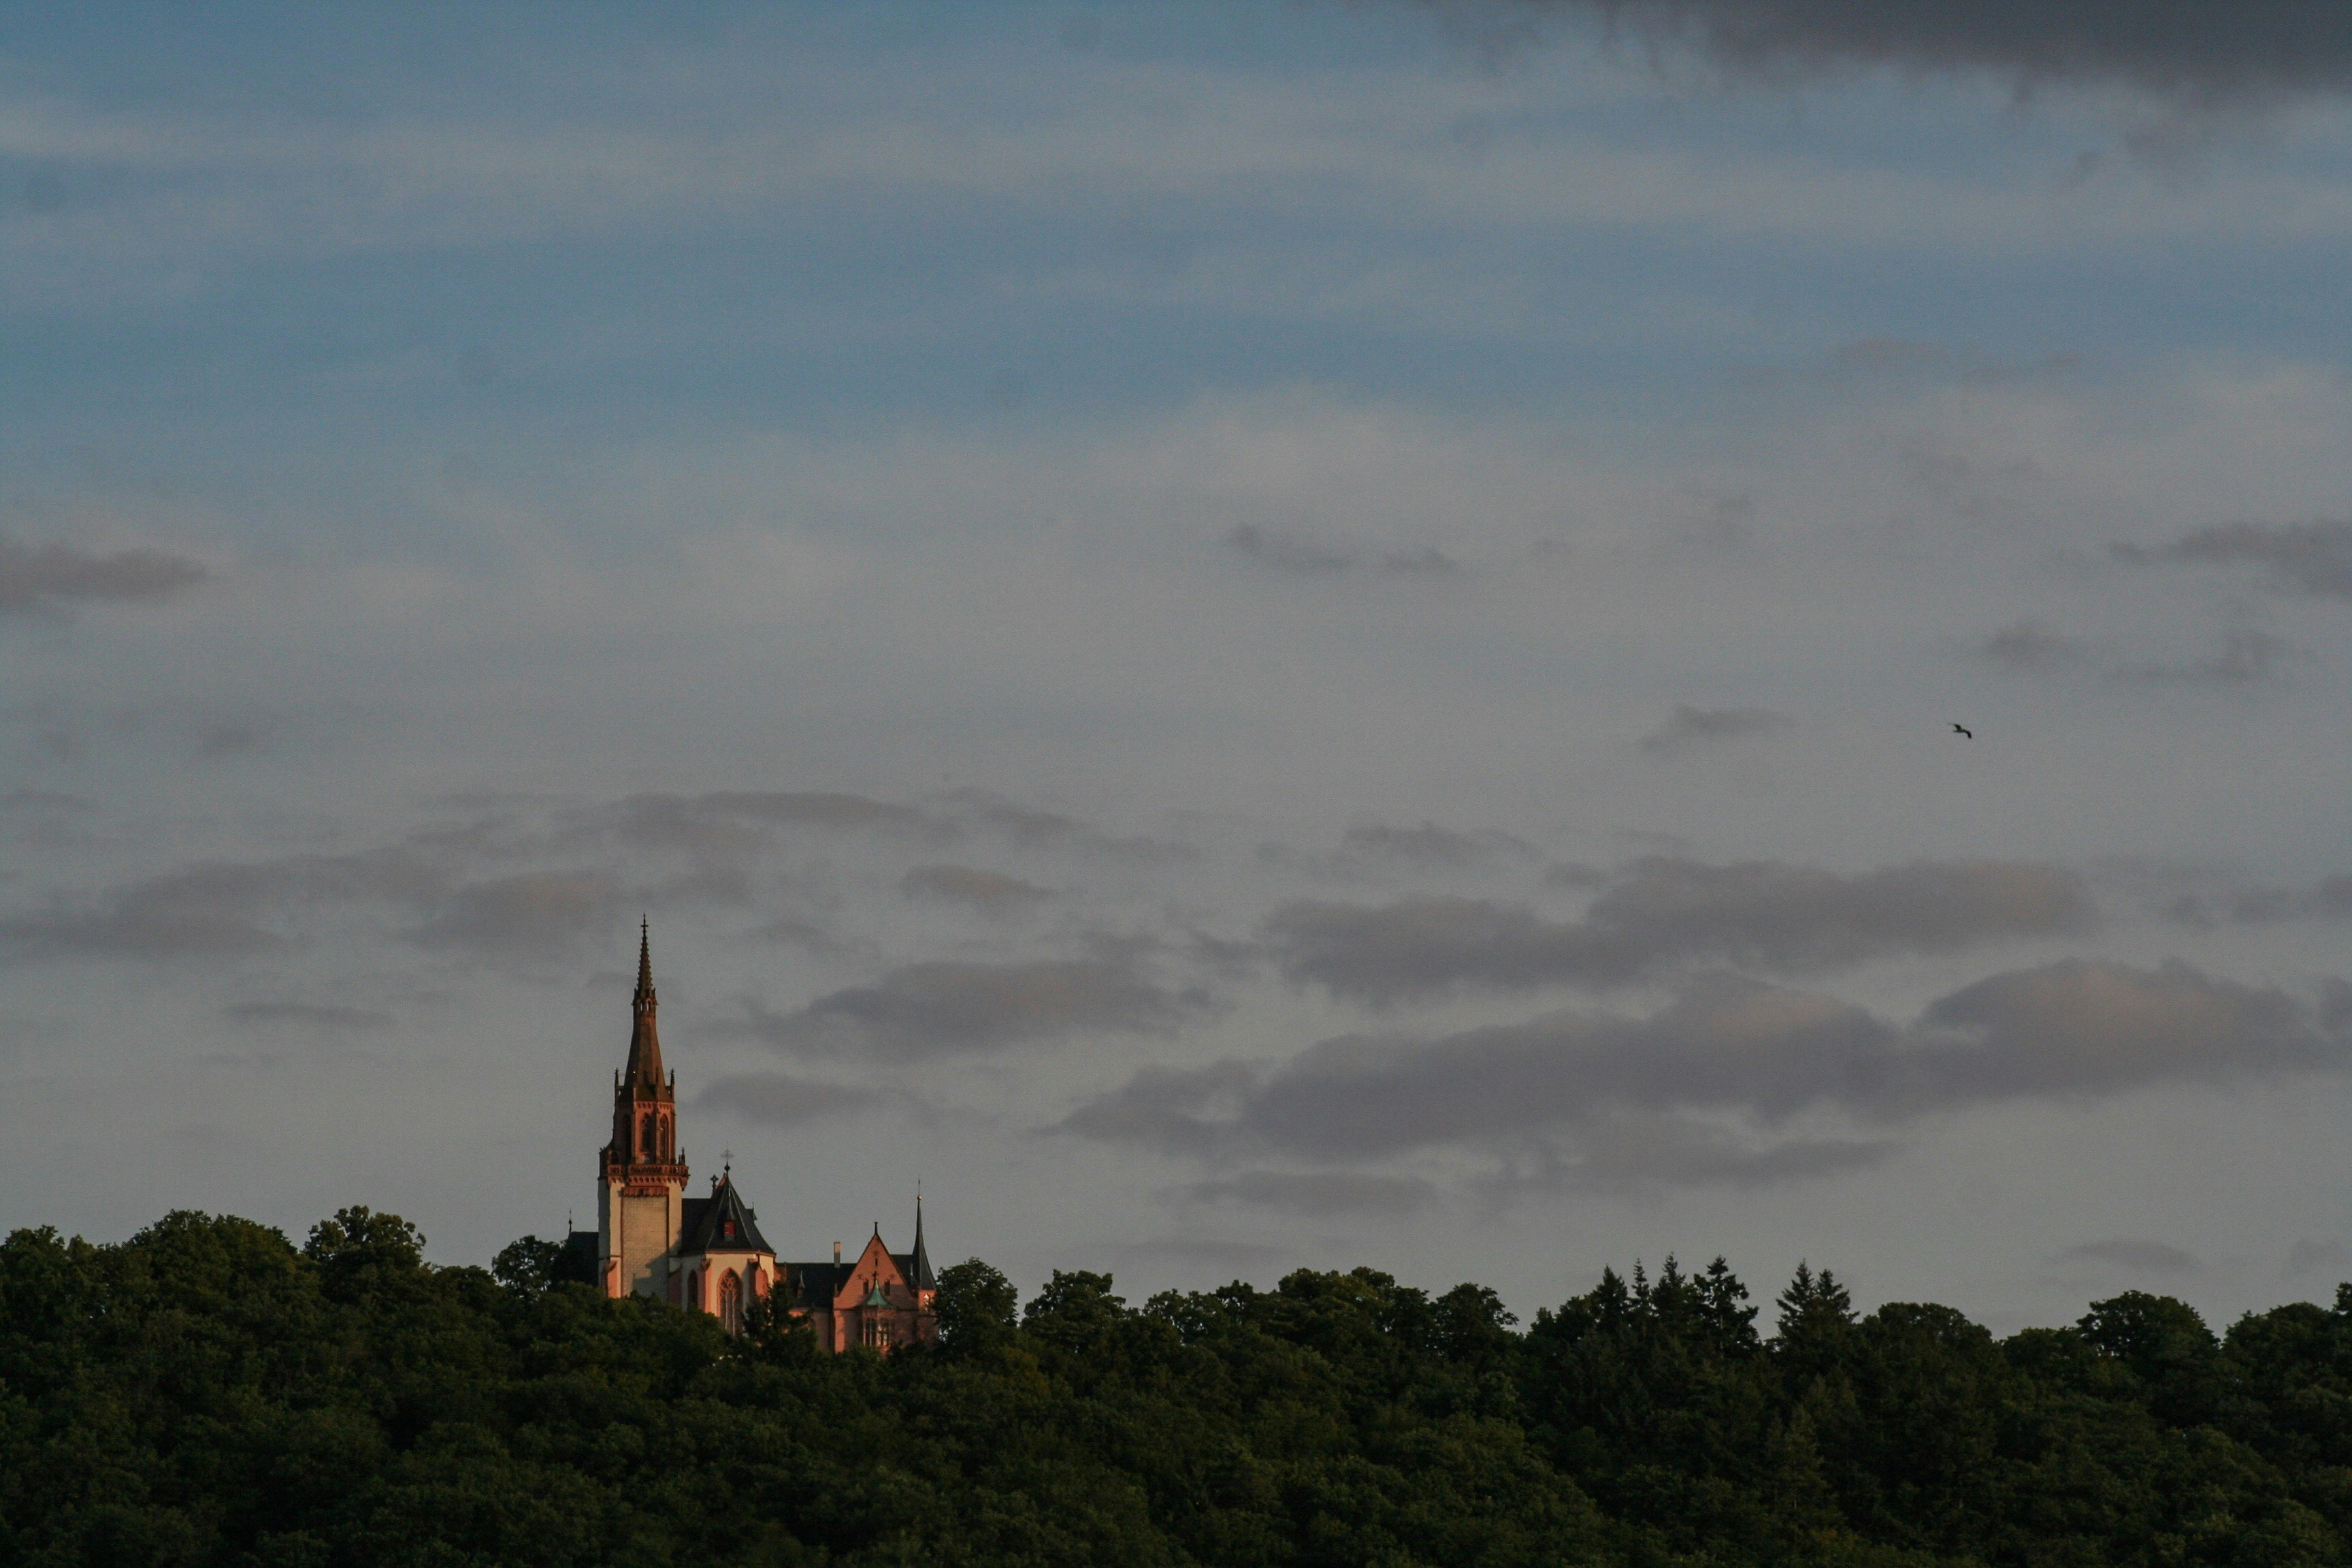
(207, 1392)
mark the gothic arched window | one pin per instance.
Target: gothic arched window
(731, 1302)
(645, 1137)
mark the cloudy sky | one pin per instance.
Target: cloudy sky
(1237, 635)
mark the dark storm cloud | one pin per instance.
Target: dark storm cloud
(33, 577)
(922, 1011)
(989, 891)
(2183, 50)
(2069, 1032)
(785, 1099)
(2140, 1257)
(2245, 657)
(2030, 645)
(305, 1016)
(1660, 911)
(1691, 726)
(1317, 1195)
(534, 915)
(2311, 557)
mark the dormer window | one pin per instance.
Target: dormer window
(726, 1230)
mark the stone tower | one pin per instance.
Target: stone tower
(641, 1188)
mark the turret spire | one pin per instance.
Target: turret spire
(919, 1261)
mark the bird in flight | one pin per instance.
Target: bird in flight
(1964, 729)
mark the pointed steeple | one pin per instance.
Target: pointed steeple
(918, 1269)
(645, 1069)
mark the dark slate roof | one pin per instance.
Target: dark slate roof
(577, 1261)
(704, 1224)
(814, 1285)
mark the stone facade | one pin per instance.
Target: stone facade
(707, 1254)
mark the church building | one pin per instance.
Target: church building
(706, 1254)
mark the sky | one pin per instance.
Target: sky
(1237, 635)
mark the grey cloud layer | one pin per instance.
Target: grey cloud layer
(1318, 1195)
(1692, 726)
(2330, 898)
(1662, 912)
(2070, 1031)
(922, 1011)
(506, 885)
(2031, 646)
(785, 1100)
(538, 914)
(305, 1016)
(2246, 658)
(35, 576)
(2311, 557)
(2202, 50)
(2144, 1257)
(988, 890)
(1312, 558)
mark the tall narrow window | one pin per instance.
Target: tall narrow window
(731, 1302)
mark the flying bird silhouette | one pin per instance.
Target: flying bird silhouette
(1964, 729)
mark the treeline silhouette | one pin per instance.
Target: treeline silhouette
(207, 1393)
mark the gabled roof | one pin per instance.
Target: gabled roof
(719, 1223)
(821, 1286)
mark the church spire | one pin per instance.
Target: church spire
(644, 1069)
(644, 1000)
